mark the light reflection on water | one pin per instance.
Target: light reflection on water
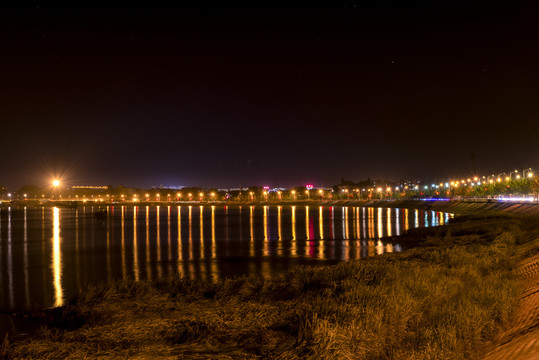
(57, 259)
(47, 254)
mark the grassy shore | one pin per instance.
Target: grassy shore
(444, 299)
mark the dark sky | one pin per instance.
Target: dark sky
(268, 94)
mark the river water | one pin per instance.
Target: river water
(47, 254)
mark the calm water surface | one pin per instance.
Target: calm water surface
(47, 254)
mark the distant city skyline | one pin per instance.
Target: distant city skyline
(476, 179)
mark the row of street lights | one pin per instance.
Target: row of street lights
(483, 180)
(512, 175)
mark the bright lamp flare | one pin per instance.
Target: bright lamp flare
(56, 183)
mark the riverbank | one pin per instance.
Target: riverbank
(520, 340)
(445, 299)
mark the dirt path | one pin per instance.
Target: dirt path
(521, 340)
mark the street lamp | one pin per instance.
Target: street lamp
(55, 185)
(504, 176)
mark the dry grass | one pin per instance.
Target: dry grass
(441, 300)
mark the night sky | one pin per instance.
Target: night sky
(267, 94)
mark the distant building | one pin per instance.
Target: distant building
(171, 187)
(90, 187)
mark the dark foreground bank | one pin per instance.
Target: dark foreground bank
(444, 299)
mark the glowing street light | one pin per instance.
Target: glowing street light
(56, 184)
